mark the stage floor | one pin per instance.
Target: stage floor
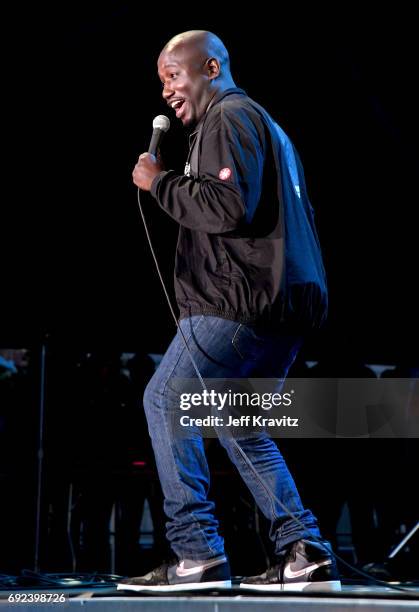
(352, 597)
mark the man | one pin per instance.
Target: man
(249, 283)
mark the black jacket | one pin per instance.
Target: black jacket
(247, 247)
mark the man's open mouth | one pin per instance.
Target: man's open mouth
(178, 106)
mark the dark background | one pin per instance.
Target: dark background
(81, 92)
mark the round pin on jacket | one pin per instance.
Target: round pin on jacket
(224, 174)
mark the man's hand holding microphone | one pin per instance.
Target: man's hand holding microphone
(148, 165)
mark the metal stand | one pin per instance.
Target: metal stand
(401, 544)
(40, 455)
(414, 373)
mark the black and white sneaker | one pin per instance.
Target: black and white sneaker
(304, 566)
(185, 575)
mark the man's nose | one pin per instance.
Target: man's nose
(167, 92)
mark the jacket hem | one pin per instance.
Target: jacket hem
(216, 312)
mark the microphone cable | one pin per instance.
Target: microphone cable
(238, 447)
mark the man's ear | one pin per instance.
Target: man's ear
(213, 68)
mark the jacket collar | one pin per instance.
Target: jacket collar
(217, 98)
(222, 94)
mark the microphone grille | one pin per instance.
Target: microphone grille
(161, 122)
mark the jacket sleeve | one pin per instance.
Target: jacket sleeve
(229, 185)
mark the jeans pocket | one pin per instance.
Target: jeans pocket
(247, 343)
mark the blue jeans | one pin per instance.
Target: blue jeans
(222, 349)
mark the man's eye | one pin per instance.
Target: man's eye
(172, 75)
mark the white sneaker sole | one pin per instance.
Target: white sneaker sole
(187, 586)
(326, 586)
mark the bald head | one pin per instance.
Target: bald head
(201, 43)
(193, 67)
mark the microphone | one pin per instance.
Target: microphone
(161, 124)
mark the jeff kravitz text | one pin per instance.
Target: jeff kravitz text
(242, 421)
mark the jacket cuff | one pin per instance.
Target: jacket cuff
(154, 184)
